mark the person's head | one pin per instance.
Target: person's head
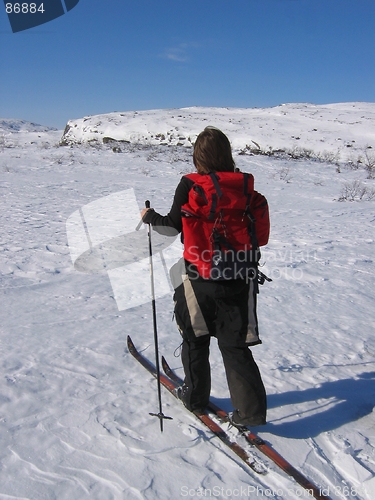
(212, 152)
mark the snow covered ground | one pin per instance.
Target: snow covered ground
(74, 404)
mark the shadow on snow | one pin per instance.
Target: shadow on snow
(330, 406)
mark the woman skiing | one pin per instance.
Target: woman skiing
(215, 295)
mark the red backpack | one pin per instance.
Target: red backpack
(224, 223)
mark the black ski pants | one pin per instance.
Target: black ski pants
(227, 311)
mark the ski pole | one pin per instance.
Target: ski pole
(160, 415)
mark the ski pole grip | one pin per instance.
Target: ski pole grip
(147, 205)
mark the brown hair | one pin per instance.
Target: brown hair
(213, 152)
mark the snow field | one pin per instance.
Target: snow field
(74, 405)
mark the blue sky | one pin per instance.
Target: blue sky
(118, 55)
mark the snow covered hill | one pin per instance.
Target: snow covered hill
(12, 125)
(74, 405)
(335, 128)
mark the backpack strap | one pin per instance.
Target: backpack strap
(215, 181)
(211, 215)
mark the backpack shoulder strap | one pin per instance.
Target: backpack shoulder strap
(216, 184)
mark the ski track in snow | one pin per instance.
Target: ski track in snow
(74, 405)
